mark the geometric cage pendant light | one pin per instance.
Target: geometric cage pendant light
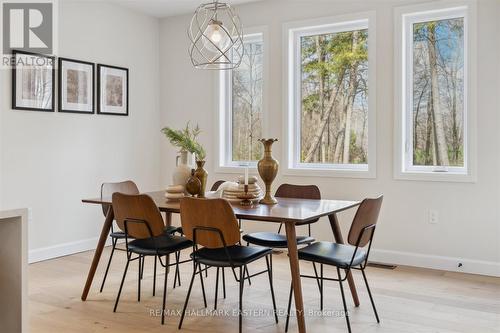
(216, 37)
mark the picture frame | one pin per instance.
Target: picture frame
(33, 82)
(112, 90)
(76, 93)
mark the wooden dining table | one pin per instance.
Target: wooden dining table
(287, 211)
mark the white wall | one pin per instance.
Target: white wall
(468, 230)
(50, 161)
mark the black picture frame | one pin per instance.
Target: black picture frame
(14, 82)
(60, 85)
(100, 87)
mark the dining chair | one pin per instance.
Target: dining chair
(211, 223)
(139, 218)
(128, 187)
(347, 257)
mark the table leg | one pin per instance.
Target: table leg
(110, 216)
(168, 219)
(295, 270)
(337, 233)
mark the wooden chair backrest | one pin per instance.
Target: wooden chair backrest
(299, 192)
(366, 215)
(211, 213)
(137, 207)
(107, 190)
(217, 184)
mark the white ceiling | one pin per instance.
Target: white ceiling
(164, 8)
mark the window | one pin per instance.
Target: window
(434, 92)
(241, 106)
(330, 114)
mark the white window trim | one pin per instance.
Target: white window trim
(223, 145)
(365, 20)
(402, 169)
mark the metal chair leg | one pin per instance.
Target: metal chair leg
(216, 288)
(289, 308)
(322, 289)
(121, 284)
(177, 275)
(270, 274)
(224, 282)
(370, 294)
(343, 301)
(242, 284)
(141, 258)
(203, 286)
(165, 290)
(188, 294)
(154, 276)
(113, 242)
(248, 275)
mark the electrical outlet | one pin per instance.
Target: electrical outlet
(433, 216)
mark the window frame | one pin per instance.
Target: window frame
(405, 17)
(224, 162)
(292, 101)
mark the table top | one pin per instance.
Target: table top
(286, 210)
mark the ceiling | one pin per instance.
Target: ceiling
(164, 8)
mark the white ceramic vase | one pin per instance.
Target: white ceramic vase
(182, 170)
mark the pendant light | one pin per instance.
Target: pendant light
(216, 37)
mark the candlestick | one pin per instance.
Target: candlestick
(246, 175)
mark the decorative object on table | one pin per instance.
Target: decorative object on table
(112, 90)
(185, 139)
(233, 190)
(268, 169)
(202, 175)
(182, 170)
(76, 86)
(33, 82)
(246, 198)
(174, 192)
(193, 184)
(216, 37)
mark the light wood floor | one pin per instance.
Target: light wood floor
(408, 300)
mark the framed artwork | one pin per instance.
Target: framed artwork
(112, 90)
(76, 86)
(33, 82)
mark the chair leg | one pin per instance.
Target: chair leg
(177, 275)
(154, 276)
(121, 284)
(206, 271)
(370, 294)
(242, 284)
(113, 242)
(203, 286)
(224, 282)
(270, 274)
(343, 300)
(289, 308)
(141, 258)
(188, 294)
(248, 275)
(322, 289)
(318, 281)
(142, 267)
(165, 290)
(216, 288)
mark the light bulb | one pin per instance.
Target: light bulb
(215, 38)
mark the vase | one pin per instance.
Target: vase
(202, 175)
(182, 170)
(193, 184)
(268, 169)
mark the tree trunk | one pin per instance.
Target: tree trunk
(439, 131)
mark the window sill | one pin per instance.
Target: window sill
(332, 173)
(435, 176)
(235, 169)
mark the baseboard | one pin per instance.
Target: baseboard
(60, 250)
(480, 267)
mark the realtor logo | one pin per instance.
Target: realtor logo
(27, 27)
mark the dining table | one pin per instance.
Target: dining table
(288, 211)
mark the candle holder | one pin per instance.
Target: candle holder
(247, 199)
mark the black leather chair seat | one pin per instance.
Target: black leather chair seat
(117, 234)
(274, 240)
(240, 255)
(328, 253)
(166, 244)
(172, 230)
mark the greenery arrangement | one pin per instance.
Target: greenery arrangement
(185, 139)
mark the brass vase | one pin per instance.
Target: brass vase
(268, 169)
(202, 175)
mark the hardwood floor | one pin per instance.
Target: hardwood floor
(408, 300)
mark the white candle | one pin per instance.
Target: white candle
(246, 175)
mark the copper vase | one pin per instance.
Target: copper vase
(202, 175)
(268, 169)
